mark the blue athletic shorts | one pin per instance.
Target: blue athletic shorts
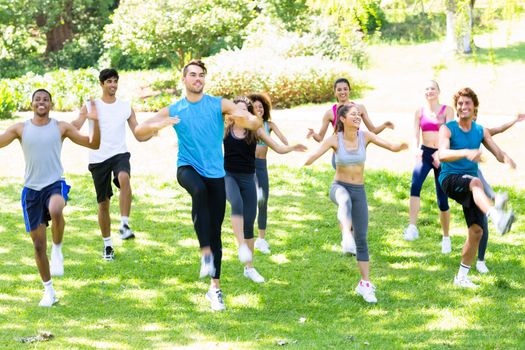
(35, 204)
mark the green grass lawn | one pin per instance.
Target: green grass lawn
(151, 297)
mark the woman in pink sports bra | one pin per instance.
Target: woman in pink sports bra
(342, 94)
(427, 122)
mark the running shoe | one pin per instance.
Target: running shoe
(367, 291)
(464, 282)
(126, 233)
(500, 200)
(262, 245)
(411, 233)
(446, 245)
(56, 266)
(502, 220)
(245, 254)
(48, 299)
(348, 244)
(251, 273)
(108, 253)
(481, 267)
(214, 295)
(207, 267)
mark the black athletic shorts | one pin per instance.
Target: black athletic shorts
(457, 187)
(101, 173)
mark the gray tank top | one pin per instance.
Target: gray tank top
(42, 146)
(345, 157)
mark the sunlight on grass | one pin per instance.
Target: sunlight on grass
(147, 297)
(4, 250)
(6, 297)
(279, 259)
(385, 196)
(448, 320)
(153, 327)
(96, 343)
(246, 301)
(188, 242)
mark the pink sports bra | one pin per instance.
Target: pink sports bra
(430, 124)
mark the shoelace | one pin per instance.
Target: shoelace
(219, 296)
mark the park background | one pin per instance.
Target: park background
(294, 50)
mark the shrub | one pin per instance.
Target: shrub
(7, 100)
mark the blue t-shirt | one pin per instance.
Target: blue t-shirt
(200, 132)
(460, 139)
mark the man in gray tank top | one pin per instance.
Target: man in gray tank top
(45, 191)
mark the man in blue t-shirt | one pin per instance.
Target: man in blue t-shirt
(198, 120)
(459, 153)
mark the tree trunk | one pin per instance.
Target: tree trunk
(57, 36)
(463, 24)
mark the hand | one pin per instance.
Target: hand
(310, 133)
(508, 160)
(473, 155)
(171, 121)
(92, 115)
(520, 117)
(402, 146)
(389, 125)
(299, 148)
(435, 160)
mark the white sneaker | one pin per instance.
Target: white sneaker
(245, 254)
(126, 233)
(214, 295)
(348, 244)
(262, 245)
(446, 245)
(367, 291)
(500, 200)
(502, 220)
(56, 265)
(411, 233)
(481, 267)
(207, 267)
(464, 282)
(48, 299)
(251, 273)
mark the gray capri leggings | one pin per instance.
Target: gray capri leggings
(352, 200)
(261, 178)
(242, 195)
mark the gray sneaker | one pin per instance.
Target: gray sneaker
(126, 233)
(503, 220)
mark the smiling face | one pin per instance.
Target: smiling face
(431, 90)
(258, 108)
(41, 103)
(109, 86)
(342, 92)
(194, 79)
(352, 118)
(465, 107)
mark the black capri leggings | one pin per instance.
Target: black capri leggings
(242, 195)
(208, 203)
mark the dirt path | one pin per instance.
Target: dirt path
(397, 75)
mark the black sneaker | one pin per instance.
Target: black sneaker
(108, 253)
(126, 233)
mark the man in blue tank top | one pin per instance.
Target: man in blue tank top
(199, 123)
(45, 191)
(459, 153)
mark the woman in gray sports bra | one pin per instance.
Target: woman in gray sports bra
(348, 191)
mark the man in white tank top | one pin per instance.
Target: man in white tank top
(45, 191)
(111, 157)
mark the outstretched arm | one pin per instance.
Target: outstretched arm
(504, 127)
(278, 132)
(376, 140)
(150, 127)
(327, 119)
(370, 126)
(12, 133)
(415, 145)
(243, 119)
(330, 142)
(82, 116)
(277, 147)
(132, 123)
(71, 132)
(493, 148)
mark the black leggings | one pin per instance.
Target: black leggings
(208, 203)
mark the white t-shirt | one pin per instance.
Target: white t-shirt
(112, 119)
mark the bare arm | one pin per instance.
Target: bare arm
(71, 132)
(376, 140)
(82, 116)
(277, 147)
(12, 133)
(370, 126)
(504, 127)
(450, 155)
(449, 114)
(417, 133)
(243, 119)
(148, 128)
(330, 142)
(327, 120)
(493, 148)
(278, 132)
(132, 123)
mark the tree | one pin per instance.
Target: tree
(459, 26)
(177, 30)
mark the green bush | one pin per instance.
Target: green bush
(7, 100)
(290, 81)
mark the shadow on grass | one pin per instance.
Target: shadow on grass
(150, 297)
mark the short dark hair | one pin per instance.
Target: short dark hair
(107, 73)
(41, 90)
(266, 102)
(466, 92)
(197, 63)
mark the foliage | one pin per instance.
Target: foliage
(414, 27)
(150, 297)
(289, 81)
(7, 100)
(294, 14)
(176, 30)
